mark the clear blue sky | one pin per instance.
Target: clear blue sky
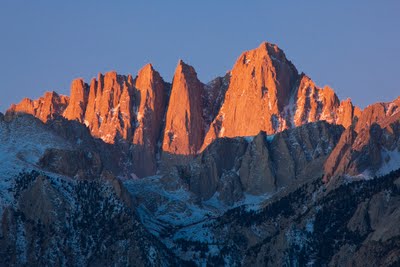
(353, 46)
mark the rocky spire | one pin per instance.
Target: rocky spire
(109, 113)
(184, 126)
(151, 103)
(78, 101)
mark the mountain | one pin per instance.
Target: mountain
(266, 93)
(260, 167)
(263, 92)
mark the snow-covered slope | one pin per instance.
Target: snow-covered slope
(53, 219)
(23, 141)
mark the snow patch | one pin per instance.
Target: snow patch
(391, 161)
(23, 141)
(310, 226)
(270, 138)
(248, 139)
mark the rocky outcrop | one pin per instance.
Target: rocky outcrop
(73, 163)
(205, 172)
(184, 123)
(380, 113)
(257, 173)
(263, 92)
(372, 151)
(109, 113)
(44, 108)
(340, 154)
(264, 164)
(313, 103)
(214, 96)
(316, 104)
(369, 147)
(78, 101)
(151, 105)
(347, 114)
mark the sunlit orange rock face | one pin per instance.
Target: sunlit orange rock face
(263, 92)
(267, 94)
(184, 124)
(315, 104)
(380, 113)
(44, 108)
(347, 113)
(109, 114)
(121, 108)
(362, 146)
(260, 83)
(115, 108)
(78, 101)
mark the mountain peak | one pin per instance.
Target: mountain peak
(146, 72)
(261, 85)
(184, 129)
(185, 69)
(264, 52)
(148, 68)
(270, 47)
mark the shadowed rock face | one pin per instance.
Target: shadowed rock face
(77, 223)
(78, 164)
(262, 164)
(350, 225)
